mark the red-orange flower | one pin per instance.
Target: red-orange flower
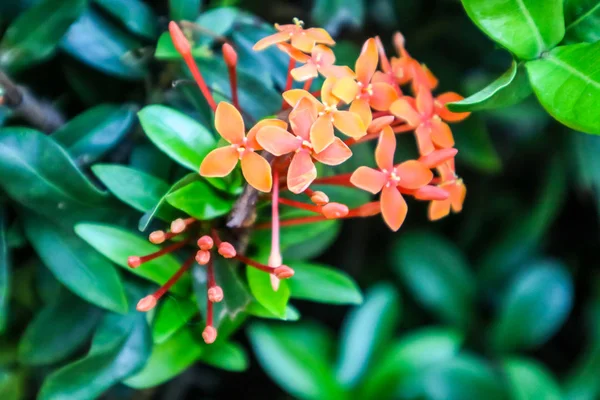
(278, 141)
(456, 189)
(221, 161)
(321, 60)
(302, 39)
(409, 175)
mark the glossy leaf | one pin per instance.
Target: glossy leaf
(135, 15)
(260, 287)
(333, 15)
(91, 134)
(117, 244)
(567, 83)
(5, 270)
(76, 265)
(200, 201)
(510, 88)
(525, 27)
(530, 380)
(166, 51)
(535, 306)
(184, 9)
(257, 310)
(582, 18)
(476, 147)
(176, 134)
(35, 34)
(219, 21)
(323, 284)
(440, 280)
(365, 330)
(228, 356)
(172, 315)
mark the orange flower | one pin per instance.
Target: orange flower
(321, 132)
(300, 38)
(456, 189)
(379, 95)
(410, 175)
(321, 60)
(220, 162)
(278, 141)
(441, 109)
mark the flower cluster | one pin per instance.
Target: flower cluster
(380, 98)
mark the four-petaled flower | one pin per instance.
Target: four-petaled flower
(278, 141)
(221, 161)
(302, 39)
(321, 60)
(456, 189)
(409, 175)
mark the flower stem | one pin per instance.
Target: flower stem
(172, 280)
(255, 264)
(275, 248)
(338, 180)
(290, 79)
(193, 67)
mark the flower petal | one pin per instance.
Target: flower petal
(293, 52)
(349, 124)
(322, 55)
(386, 147)
(257, 171)
(425, 102)
(303, 42)
(458, 192)
(402, 109)
(438, 209)
(334, 154)
(379, 123)
(277, 141)
(393, 207)
(366, 65)
(320, 35)
(346, 89)
(361, 108)
(327, 95)
(260, 124)
(413, 174)
(383, 96)
(305, 72)
(423, 135)
(270, 40)
(368, 179)
(229, 123)
(321, 133)
(438, 157)
(441, 134)
(443, 112)
(337, 71)
(430, 192)
(302, 117)
(301, 173)
(293, 96)
(219, 162)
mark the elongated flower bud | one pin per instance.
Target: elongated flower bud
(182, 45)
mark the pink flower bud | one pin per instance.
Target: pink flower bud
(205, 242)
(229, 55)
(284, 272)
(227, 250)
(202, 257)
(334, 210)
(319, 198)
(157, 237)
(215, 294)
(134, 261)
(209, 334)
(146, 304)
(178, 225)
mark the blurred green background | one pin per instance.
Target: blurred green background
(501, 301)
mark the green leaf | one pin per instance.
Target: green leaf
(200, 201)
(323, 284)
(530, 380)
(173, 314)
(58, 330)
(403, 367)
(294, 364)
(534, 308)
(228, 356)
(476, 147)
(525, 27)
(146, 157)
(437, 274)
(120, 348)
(40, 175)
(176, 134)
(93, 133)
(35, 34)
(257, 310)
(5, 270)
(464, 377)
(166, 51)
(184, 9)
(117, 244)
(582, 18)
(582, 382)
(567, 83)
(333, 15)
(510, 88)
(135, 15)
(103, 46)
(75, 264)
(261, 289)
(167, 360)
(365, 330)
(220, 22)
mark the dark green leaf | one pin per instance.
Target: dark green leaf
(172, 315)
(5, 270)
(35, 34)
(117, 244)
(146, 157)
(98, 43)
(93, 133)
(58, 330)
(165, 49)
(12, 385)
(441, 280)
(257, 310)
(582, 18)
(567, 83)
(365, 330)
(530, 380)
(228, 356)
(333, 15)
(219, 21)
(261, 289)
(476, 147)
(510, 88)
(525, 27)
(534, 308)
(76, 265)
(182, 138)
(200, 201)
(582, 382)
(322, 284)
(184, 9)
(135, 15)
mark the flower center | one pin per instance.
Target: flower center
(328, 109)
(306, 145)
(392, 177)
(365, 91)
(242, 148)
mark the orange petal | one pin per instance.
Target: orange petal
(424, 142)
(302, 117)
(229, 123)
(303, 42)
(368, 179)
(393, 207)
(430, 192)
(383, 77)
(301, 172)
(441, 133)
(293, 52)
(413, 174)
(327, 95)
(292, 97)
(337, 71)
(383, 96)
(379, 123)
(346, 89)
(219, 162)
(305, 72)
(277, 141)
(438, 209)
(320, 35)
(386, 147)
(402, 109)
(270, 40)
(361, 108)
(323, 55)
(334, 154)
(321, 133)
(257, 171)
(366, 65)
(425, 102)
(442, 111)
(349, 124)
(437, 157)
(260, 124)
(457, 196)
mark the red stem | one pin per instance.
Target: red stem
(300, 205)
(308, 84)
(275, 249)
(338, 180)
(172, 280)
(234, 89)
(253, 263)
(211, 274)
(193, 67)
(164, 251)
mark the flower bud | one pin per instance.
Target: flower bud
(284, 272)
(334, 210)
(146, 304)
(205, 242)
(229, 55)
(134, 261)
(157, 237)
(227, 250)
(182, 45)
(215, 294)
(209, 334)
(202, 257)
(319, 198)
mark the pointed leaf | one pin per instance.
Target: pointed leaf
(582, 18)
(323, 284)
(200, 201)
(530, 380)
(184, 9)
(228, 356)
(260, 287)
(172, 315)
(135, 15)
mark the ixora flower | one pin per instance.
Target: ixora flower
(320, 60)
(220, 162)
(454, 186)
(300, 38)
